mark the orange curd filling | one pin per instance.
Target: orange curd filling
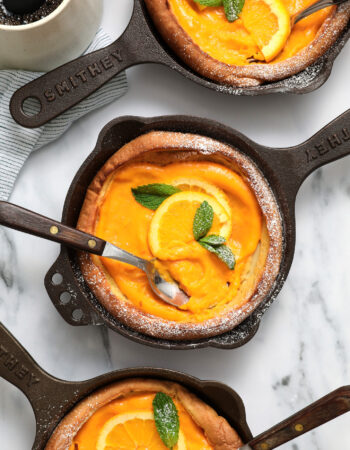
(136, 428)
(235, 43)
(209, 282)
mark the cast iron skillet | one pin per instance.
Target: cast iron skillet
(284, 169)
(66, 86)
(51, 398)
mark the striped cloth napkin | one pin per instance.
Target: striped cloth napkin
(17, 143)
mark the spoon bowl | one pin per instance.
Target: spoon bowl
(169, 292)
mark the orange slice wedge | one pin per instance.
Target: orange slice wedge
(194, 185)
(171, 229)
(133, 431)
(268, 22)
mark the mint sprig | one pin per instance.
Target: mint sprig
(203, 221)
(222, 252)
(233, 8)
(151, 196)
(167, 419)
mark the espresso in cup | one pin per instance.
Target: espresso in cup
(39, 10)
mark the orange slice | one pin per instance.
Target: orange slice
(268, 22)
(171, 229)
(192, 184)
(133, 431)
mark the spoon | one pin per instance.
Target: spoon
(313, 8)
(20, 219)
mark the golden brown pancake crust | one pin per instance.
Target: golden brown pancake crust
(163, 148)
(243, 76)
(217, 430)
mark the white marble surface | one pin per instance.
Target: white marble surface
(302, 349)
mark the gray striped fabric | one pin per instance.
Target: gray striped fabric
(16, 142)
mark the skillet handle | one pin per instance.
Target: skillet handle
(49, 397)
(324, 410)
(21, 219)
(66, 86)
(329, 144)
(62, 88)
(19, 369)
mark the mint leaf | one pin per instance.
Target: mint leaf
(152, 196)
(226, 255)
(203, 220)
(167, 419)
(233, 8)
(209, 2)
(223, 252)
(213, 240)
(208, 247)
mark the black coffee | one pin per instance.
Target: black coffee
(8, 18)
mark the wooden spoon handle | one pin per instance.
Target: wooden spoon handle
(327, 408)
(21, 219)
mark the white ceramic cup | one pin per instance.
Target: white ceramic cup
(48, 43)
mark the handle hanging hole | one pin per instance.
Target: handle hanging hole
(57, 279)
(65, 298)
(31, 106)
(77, 315)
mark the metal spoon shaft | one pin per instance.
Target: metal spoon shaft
(111, 251)
(315, 7)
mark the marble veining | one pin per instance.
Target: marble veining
(302, 349)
